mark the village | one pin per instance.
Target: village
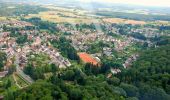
(84, 50)
(81, 40)
(14, 50)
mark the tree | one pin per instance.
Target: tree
(149, 93)
(75, 94)
(3, 58)
(22, 39)
(69, 75)
(29, 70)
(11, 69)
(9, 95)
(54, 68)
(8, 84)
(131, 90)
(114, 81)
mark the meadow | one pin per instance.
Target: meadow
(60, 15)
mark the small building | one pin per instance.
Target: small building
(3, 74)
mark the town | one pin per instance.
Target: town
(84, 50)
(82, 40)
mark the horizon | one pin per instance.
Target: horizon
(144, 3)
(157, 3)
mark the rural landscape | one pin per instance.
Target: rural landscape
(77, 50)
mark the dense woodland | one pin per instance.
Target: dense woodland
(3, 59)
(19, 9)
(134, 16)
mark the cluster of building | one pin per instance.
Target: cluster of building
(39, 47)
(130, 60)
(7, 44)
(82, 41)
(147, 32)
(126, 64)
(15, 23)
(38, 44)
(55, 56)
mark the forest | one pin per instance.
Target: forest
(10, 9)
(134, 16)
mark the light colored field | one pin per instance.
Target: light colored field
(160, 22)
(64, 16)
(134, 22)
(8, 18)
(114, 20)
(71, 15)
(2, 18)
(123, 21)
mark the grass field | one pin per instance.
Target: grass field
(70, 15)
(60, 16)
(123, 21)
(2, 18)
(160, 23)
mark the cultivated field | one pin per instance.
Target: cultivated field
(2, 18)
(123, 21)
(71, 15)
(60, 15)
(160, 23)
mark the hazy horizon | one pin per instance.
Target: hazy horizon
(149, 3)
(156, 3)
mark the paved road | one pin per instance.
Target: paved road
(20, 72)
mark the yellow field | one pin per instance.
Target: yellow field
(160, 23)
(8, 18)
(70, 15)
(63, 16)
(2, 18)
(123, 21)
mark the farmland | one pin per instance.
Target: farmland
(124, 21)
(2, 18)
(77, 16)
(60, 15)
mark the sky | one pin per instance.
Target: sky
(157, 3)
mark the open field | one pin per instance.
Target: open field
(2, 18)
(60, 16)
(123, 21)
(74, 16)
(160, 23)
(9, 18)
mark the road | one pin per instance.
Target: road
(20, 72)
